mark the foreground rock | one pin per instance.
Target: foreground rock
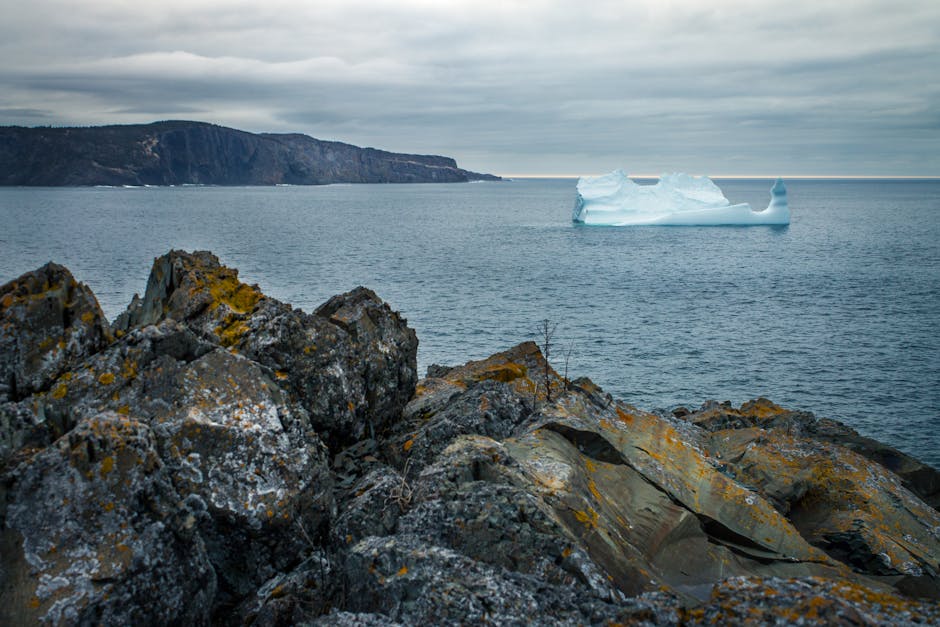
(351, 364)
(226, 458)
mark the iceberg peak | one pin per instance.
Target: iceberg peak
(676, 199)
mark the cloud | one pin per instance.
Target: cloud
(505, 85)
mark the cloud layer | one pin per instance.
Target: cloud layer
(742, 87)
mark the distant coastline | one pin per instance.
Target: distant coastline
(744, 177)
(198, 153)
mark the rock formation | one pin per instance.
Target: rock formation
(218, 456)
(180, 153)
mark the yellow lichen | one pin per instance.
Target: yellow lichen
(225, 288)
(107, 465)
(106, 378)
(60, 391)
(129, 369)
(503, 372)
(593, 488)
(589, 518)
(231, 330)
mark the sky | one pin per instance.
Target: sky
(762, 87)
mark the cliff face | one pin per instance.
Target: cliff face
(216, 456)
(178, 153)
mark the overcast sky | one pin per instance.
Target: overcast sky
(820, 87)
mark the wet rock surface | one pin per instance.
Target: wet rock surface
(224, 458)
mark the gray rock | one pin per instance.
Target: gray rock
(48, 323)
(352, 364)
(919, 478)
(373, 507)
(416, 583)
(491, 408)
(310, 590)
(807, 601)
(96, 534)
(228, 434)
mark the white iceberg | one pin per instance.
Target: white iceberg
(676, 200)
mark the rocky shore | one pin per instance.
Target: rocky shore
(216, 456)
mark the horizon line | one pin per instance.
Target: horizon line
(744, 176)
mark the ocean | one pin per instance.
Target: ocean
(837, 313)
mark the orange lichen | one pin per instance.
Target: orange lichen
(280, 375)
(407, 445)
(402, 571)
(624, 416)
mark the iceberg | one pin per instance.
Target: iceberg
(675, 200)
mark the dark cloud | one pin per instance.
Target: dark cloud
(819, 87)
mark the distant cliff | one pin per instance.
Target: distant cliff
(180, 152)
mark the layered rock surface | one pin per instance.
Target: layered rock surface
(217, 456)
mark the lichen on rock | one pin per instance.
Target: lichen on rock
(230, 459)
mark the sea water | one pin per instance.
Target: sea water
(837, 313)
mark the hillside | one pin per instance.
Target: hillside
(181, 153)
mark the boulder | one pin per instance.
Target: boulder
(489, 407)
(415, 583)
(48, 323)
(352, 364)
(807, 601)
(228, 434)
(919, 478)
(96, 533)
